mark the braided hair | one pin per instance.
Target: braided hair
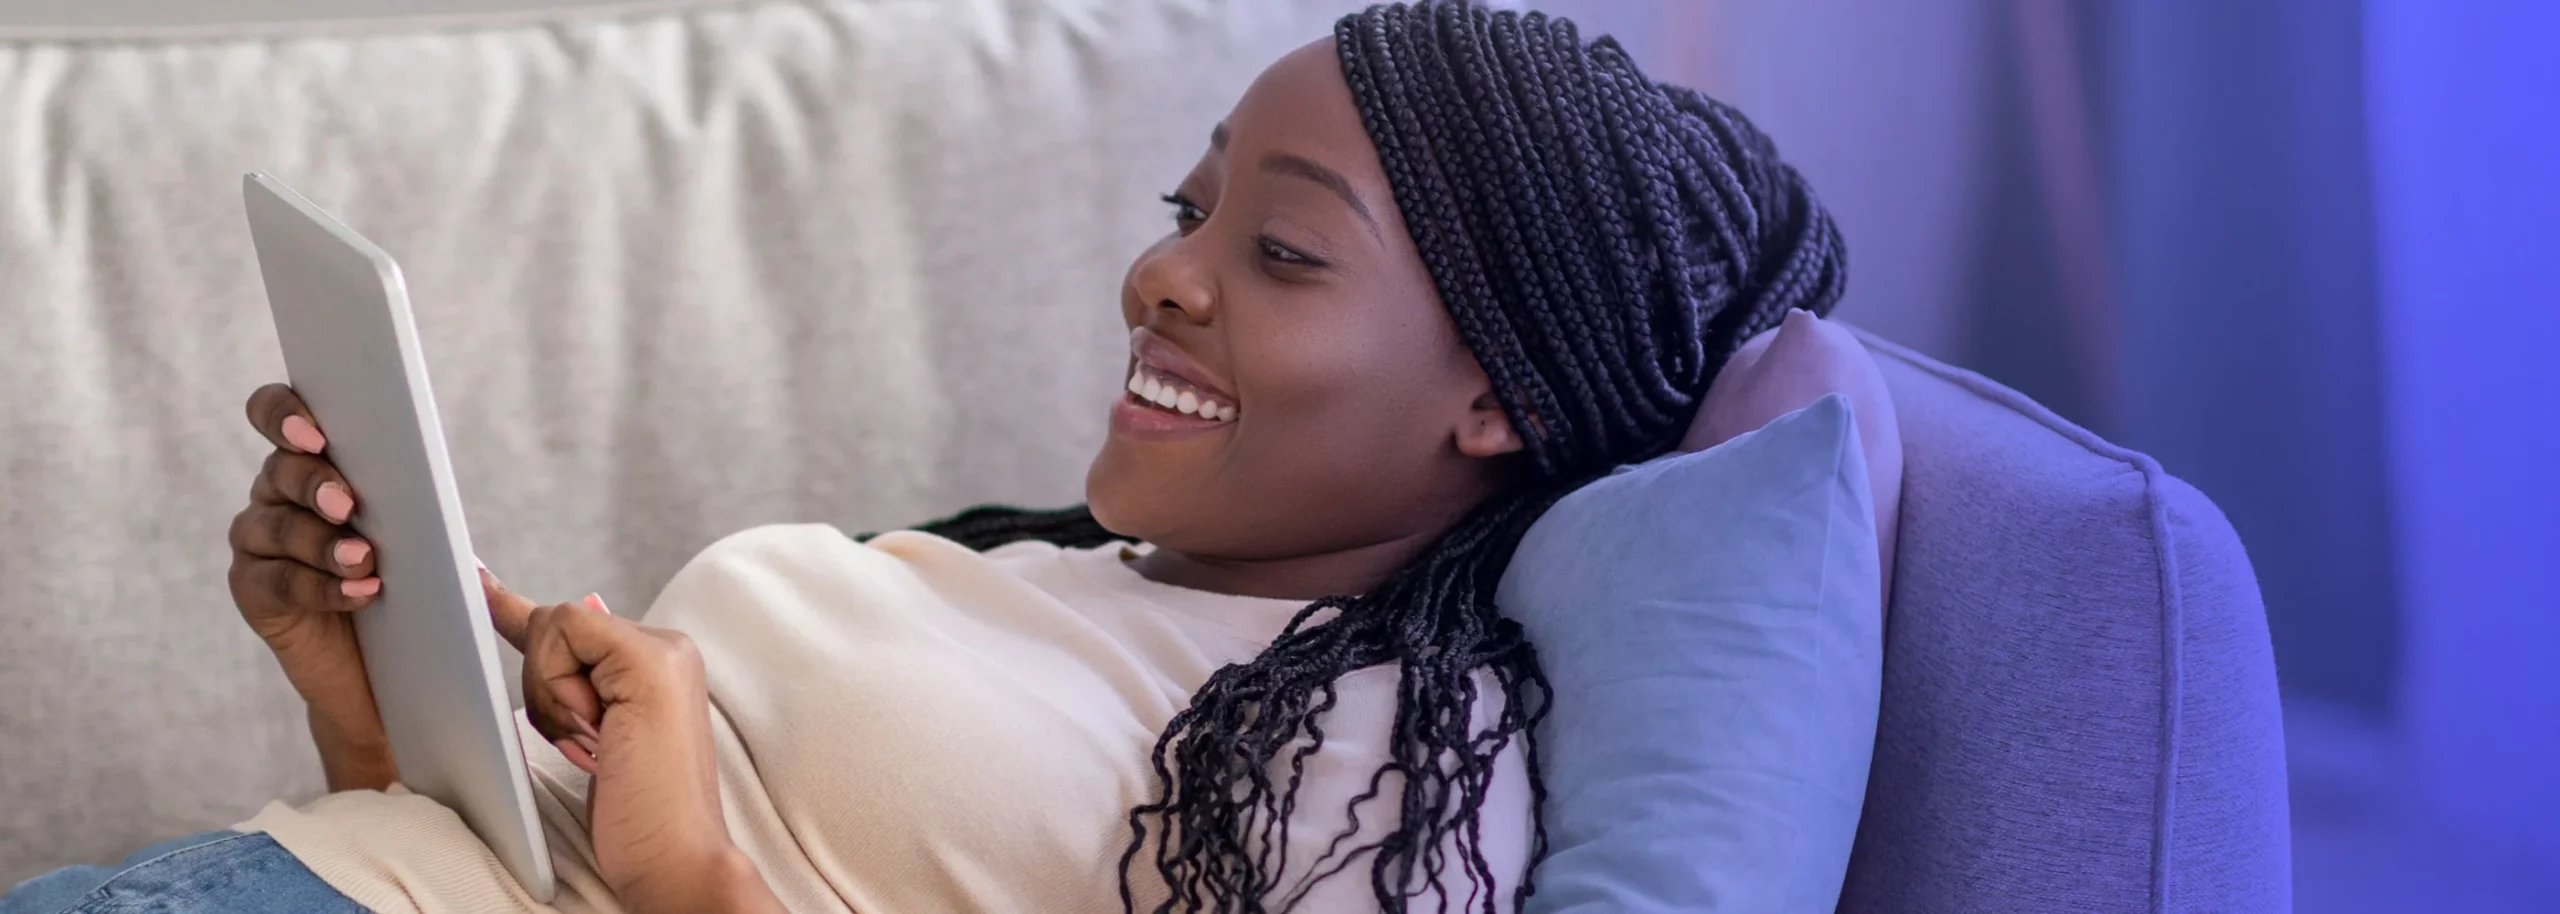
(1604, 243)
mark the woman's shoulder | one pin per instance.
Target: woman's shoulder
(779, 545)
(778, 562)
(826, 543)
(810, 558)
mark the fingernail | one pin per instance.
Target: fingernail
(351, 551)
(596, 603)
(304, 436)
(334, 501)
(587, 743)
(361, 587)
(475, 560)
(570, 749)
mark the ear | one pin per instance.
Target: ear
(1485, 431)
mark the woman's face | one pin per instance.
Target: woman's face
(1334, 409)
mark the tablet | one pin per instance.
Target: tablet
(351, 352)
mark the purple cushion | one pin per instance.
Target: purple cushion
(2080, 705)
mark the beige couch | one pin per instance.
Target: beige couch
(680, 269)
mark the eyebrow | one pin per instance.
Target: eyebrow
(1296, 166)
(1281, 163)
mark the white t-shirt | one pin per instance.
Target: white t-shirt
(910, 726)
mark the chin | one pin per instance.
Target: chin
(1107, 494)
(1134, 497)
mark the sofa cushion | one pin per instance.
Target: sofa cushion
(1709, 627)
(2079, 708)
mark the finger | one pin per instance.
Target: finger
(277, 531)
(279, 414)
(302, 479)
(577, 754)
(559, 698)
(286, 584)
(625, 661)
(590, 636)
(509, 612)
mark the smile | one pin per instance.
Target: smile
(1172, 394)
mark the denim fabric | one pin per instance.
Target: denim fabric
(200, 874)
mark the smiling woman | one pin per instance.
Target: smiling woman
(1290, 289)
(1430, 274)
(1508, 263)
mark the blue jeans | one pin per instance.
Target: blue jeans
(201, 874)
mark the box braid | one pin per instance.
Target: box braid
(1604, 243)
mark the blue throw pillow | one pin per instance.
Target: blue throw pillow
(1710, 625)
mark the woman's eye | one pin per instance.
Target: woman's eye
(1280, 253)
(1186, 214)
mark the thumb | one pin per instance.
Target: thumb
(509, 611)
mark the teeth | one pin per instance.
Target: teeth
(1174, 397)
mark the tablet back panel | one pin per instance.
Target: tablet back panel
(351, 352)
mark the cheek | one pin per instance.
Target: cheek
(1368, 388)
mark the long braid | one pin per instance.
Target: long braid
(1604, 243)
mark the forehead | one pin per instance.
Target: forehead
(1301, 105)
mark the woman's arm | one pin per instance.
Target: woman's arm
(627, 703)
(351, 762)
(298, 574)
(725, 883)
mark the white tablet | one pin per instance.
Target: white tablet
(351, 352)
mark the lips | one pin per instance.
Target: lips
(1171, 396)
(1162, 357)
(1175, 395)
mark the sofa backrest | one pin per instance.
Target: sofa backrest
(2080, 708)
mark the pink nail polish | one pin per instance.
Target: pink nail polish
(596, 603)
(588, 743)
(334, 502)
(304, 436)
(361, 587)
(351, 551)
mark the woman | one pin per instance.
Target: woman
(1431, 273)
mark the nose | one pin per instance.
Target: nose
(1173, 276)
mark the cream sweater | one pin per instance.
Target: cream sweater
(910, 726)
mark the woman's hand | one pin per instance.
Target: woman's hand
(297, 574)
(627, 703)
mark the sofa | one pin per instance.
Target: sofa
(682, 268)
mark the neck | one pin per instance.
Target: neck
(1344, 572)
